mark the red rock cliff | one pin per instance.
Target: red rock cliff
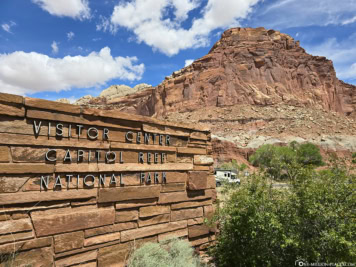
(248, 66)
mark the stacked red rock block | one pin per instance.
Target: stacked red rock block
(85, 187)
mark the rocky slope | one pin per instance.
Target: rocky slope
(255, 86)
(105, 97)
(251, 66)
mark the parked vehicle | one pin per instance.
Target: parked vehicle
(226, 176)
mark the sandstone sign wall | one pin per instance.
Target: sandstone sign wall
(84, 186)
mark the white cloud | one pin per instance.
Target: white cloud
(342, 53)
(77, 9)
(70, 36)
(149, 22)
(7, 26)
(298, 13)
(55, 48)
(26, 73)
(105, 25)
(188, 62)
(349, 21)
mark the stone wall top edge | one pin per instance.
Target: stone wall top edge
(133, 117)
(10, 98)
(74, 109)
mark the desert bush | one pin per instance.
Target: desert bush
(354, 157)
(172, 252)
(313, 220)
(278, 160)
(309, 154)
(233, 165)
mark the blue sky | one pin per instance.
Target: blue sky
(70, 48)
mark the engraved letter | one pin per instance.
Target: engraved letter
(168, 141)
(163, 157)
(98, 155)
(85, 180)
(44, 184)
(148, 180)
(89, 155)
(164, 178)
(113, 180)
(142, 177)
(80, 155)
(156, 178)
(107, 156)
(102, 180)
(69, 179)
(147, 138)
(129, 138)
(121, 181)
(121, 159)
(58, 182)
(156, 158)
(106, 134)
(79, 130)
(67, 156)
(92, 137)
(37, 128)
(59, 131)
(148, 157)
(161, 139)
(140, 157)
(138, 138)
(51, 159)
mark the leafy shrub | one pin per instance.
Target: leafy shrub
(309, 154)
(233, 165)
(274, 160)
(354, 157)
(172, 252)
(277, 160)
(314, 220)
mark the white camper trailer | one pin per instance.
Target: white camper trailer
(226, 176)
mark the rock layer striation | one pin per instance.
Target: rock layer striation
(248, 66)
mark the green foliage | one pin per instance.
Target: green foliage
(313, 219)
(354, 157)
(233, 165)
(278, 160)
(172, 252)
(309, 154)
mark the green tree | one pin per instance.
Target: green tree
(278, 160)
(275, 160)
(314, 219)
(233, 164)
(309, 154)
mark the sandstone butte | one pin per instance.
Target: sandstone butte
(245, 89)
(247, 66)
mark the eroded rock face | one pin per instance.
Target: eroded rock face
(116, 91)
(249, 66)
(83, 100)
(63, 100)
